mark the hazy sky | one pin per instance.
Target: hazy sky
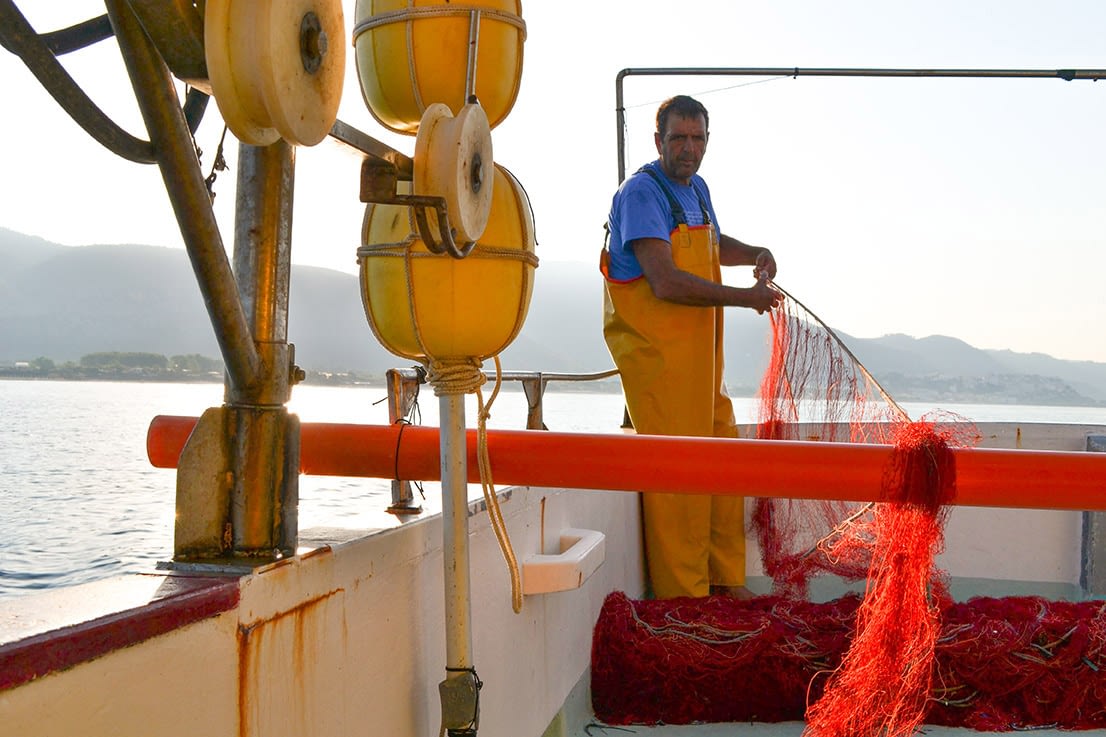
(975, 209)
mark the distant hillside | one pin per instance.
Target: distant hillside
(62, 303)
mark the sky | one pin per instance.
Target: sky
(974, 209)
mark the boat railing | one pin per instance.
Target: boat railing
(1067, 75)
(403, 390)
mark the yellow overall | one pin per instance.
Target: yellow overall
(670, 358)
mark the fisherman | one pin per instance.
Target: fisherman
(662, 321)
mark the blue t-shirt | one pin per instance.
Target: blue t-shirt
(640, 209)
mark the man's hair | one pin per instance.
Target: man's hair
(683, 106)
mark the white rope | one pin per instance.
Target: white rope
(438, 11)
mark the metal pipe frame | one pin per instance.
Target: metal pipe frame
(39, 53)
(264, 496)
(403, 387)
(80, 36)
(361, 142)
(175, 154)
(474, 45)
(458, 691)
(263, 263)
(170, 147)
(18, 37)
(620, 108)
(454, 474)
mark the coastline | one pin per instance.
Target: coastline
(605, 386)
(154, 376)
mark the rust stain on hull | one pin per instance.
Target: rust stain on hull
(251, 651)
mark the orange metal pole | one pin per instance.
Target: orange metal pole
(622, 462)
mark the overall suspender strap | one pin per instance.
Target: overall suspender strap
(677, 209)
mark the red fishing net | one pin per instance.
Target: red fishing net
(815, 389)
(1014, 663)
(879, 665)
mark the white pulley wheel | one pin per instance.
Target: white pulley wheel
(453, 160)
(276, 67)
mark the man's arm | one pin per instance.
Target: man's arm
(672, 284)
(733, 252)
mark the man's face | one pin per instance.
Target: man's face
(682, 146)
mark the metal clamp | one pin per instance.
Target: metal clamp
(378, 185)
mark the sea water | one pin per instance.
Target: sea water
(79, 500)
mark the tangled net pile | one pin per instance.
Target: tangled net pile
(878, 665)
(999, 664)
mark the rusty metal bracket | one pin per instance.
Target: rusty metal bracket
(403, 395)
(379, 179)
(176, 28)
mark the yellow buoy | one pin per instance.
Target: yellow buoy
(413, 54)
(425, 306)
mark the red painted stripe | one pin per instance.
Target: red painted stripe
(33, 657)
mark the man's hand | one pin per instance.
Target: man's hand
(765, 264)
(764, 297)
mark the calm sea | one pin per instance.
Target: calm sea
(79, 500)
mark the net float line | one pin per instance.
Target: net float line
(773, 468)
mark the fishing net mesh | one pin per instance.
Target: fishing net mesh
(880, 664)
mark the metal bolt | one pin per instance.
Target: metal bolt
(313, 43)
(476, 173)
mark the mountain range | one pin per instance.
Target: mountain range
(62, 302)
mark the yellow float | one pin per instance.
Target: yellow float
(276, 67)
(429, 307)
(411, 54)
